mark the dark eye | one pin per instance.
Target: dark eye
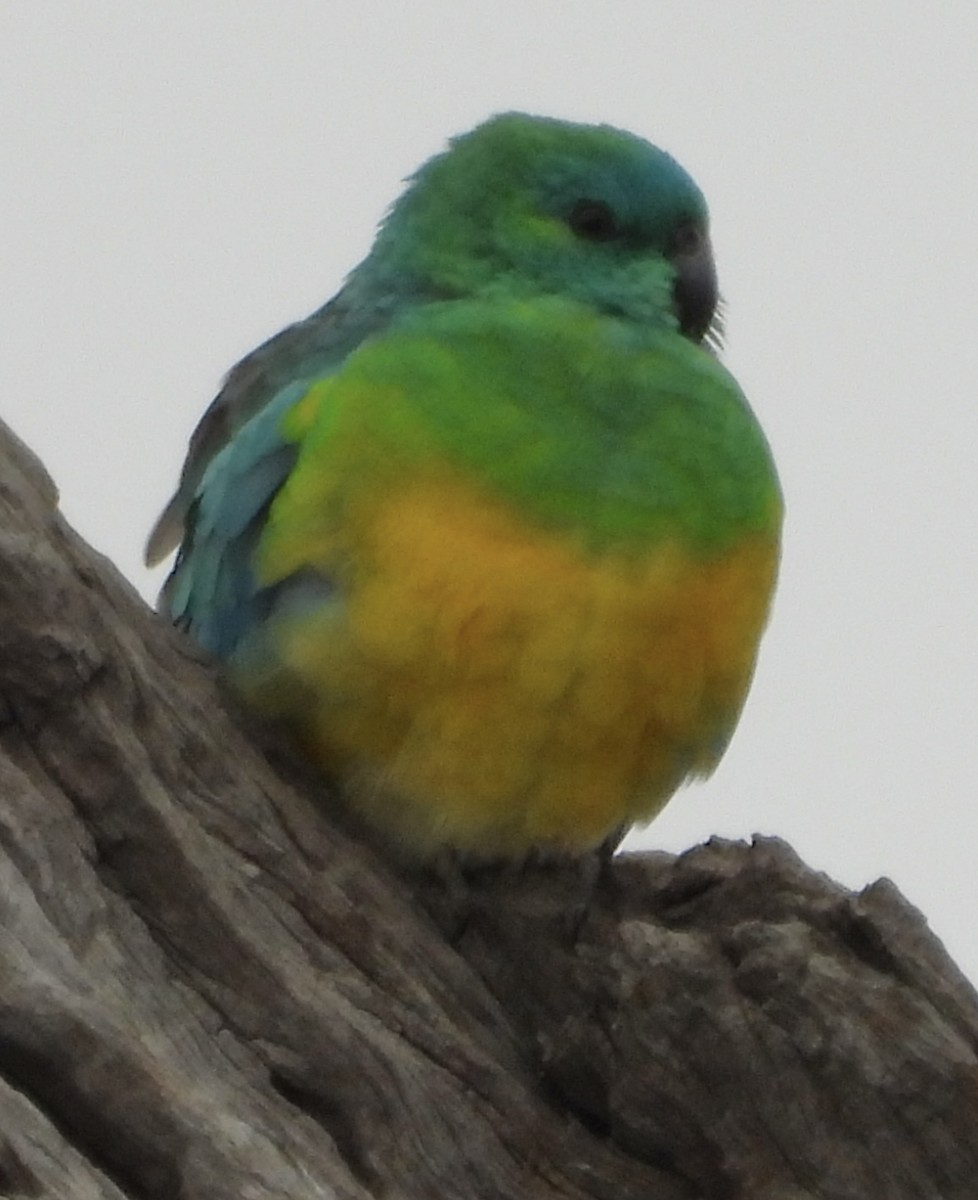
(593, 220)
(686, 241)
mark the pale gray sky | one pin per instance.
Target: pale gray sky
(181, 180)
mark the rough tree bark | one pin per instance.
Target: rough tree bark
(209, 988)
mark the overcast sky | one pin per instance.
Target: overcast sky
(182, 179)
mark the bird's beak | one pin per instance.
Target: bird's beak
(695, 291)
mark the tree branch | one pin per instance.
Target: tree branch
(210, 987)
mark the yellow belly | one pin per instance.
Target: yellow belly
(492, 687)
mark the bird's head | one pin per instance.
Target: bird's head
(534, 205)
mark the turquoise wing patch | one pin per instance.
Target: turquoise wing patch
(213, 591)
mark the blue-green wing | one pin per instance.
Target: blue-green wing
(213, 592)
(302, 352)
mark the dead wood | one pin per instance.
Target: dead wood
(210, 988)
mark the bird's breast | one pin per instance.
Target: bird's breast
(491, 684)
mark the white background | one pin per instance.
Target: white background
(180, 180)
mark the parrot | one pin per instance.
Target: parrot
(493, 535)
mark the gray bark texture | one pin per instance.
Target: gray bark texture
(210, 987)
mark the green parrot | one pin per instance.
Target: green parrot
(494, 534)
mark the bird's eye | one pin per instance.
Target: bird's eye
(593, 220)
(686, 241)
